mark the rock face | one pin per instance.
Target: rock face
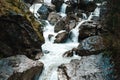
(87, 68)
(18, 37)
(61, 37)
(20, 68)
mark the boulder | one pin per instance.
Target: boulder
(58, 4)
(51, 7)
(18, 37)
(87, 6)
(74, 3)
(43, 11)
(60, 25)
(90, 46)
(88, 29)
(20, 68)
(87, 68)
(93, 43)
(72, 16)
(70, 25)
(61, 37)
(53, 18)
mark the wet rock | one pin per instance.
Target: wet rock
(18, 37)
(29, 1)
(43, 11)
(69, 26)
(74, 3)
(20, 68)
(53, 18)
(58, 4)
(60, 25)
(61, 37)
(86, 52)
(72, 16)
(89, 46)
(79, 13)
(86, 32)
(69, 9)
(84, 69)
(88, 29)
(93, 43)
(50, 36)
(87, 6)
(68, 54)
(51, 7)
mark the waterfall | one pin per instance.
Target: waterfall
(47, 1)
(63, 8)
(53, 52)
(95, 13)
(75, 31)
(34, 8)
(84, 16)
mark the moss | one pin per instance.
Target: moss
(18, 7)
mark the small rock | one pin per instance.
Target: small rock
(53, 18)
(60, 25)
(61, 37)
(50, 36)
(68, 54)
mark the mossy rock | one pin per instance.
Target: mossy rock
(18, 7)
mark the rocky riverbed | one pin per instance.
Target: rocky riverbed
(53, 40)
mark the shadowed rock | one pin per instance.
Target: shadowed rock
(18, 37)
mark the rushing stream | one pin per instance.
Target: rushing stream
(53, 51)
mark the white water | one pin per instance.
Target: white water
(95, 13)
(63, 8)
(54, 58)
(34, 8)
(52, 51)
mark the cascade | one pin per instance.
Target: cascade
(63, 8)
(53, 52)
(84, 16)
(34, 8)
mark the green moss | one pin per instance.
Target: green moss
(18, 7)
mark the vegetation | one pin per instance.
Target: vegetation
(18, 7)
